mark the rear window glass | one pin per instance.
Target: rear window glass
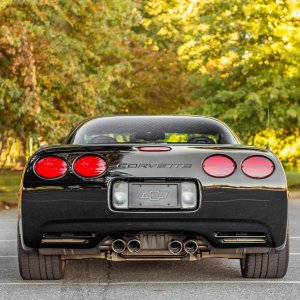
(152, 130)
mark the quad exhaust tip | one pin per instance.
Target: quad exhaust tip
(118, 246)
(190, 246)
(175, 247)
(134, 246)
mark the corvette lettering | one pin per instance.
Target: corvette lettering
(152, 166)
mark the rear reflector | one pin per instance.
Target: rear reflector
(90, 166)
(154, 149)
(258, 167)
(241, 238)
(64, 241)
(219, 166)
(50, 167)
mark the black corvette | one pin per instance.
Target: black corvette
(153, 188)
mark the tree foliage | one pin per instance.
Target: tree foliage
(59, 60)
(64, 60)
(246, 55)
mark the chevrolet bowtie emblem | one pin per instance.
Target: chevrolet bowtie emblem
(155, 195)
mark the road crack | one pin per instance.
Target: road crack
(107, 280)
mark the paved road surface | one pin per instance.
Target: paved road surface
(94, 279)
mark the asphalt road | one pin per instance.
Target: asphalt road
(95, 279)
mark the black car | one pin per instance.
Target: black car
(153, 188)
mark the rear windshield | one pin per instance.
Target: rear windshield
(152, 130)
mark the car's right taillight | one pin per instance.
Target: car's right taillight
(50, 167)
(219, 165)
(257, 167)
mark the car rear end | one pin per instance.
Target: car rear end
(153, 202)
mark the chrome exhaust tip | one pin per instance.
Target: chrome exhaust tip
(190, 246)
(118, 246)
(134, 246)
(175, 247)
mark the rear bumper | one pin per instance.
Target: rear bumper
(86, 211)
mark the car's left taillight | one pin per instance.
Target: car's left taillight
(51, 167)
(90, 166)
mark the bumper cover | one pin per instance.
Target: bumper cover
(229, 210)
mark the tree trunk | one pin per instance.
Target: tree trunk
(3, 142)
(21, 162)
(7, 154)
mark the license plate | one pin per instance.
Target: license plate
(153, 195)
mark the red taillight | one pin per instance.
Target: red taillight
(154, 149)
(219, 166)
(50, 167)
(90, 166)
(258, 167)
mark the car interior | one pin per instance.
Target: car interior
(152, 137)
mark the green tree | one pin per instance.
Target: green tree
(158, 83)
(59, 61)
(245, 53)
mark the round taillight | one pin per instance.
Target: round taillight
(258, 167)
(51, 167)
(218, 166)
(90, 166)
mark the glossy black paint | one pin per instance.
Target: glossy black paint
(75, 204)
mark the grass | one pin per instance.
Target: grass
(9, 185)
(293, 179)
(10, 181)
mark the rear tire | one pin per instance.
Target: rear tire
(267, 265)
(34, 266)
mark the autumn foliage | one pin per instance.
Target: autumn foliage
(62, 61)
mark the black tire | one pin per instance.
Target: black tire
(34, 266)
(268, 265)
